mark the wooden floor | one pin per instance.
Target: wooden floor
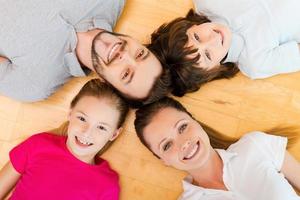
(233, 107)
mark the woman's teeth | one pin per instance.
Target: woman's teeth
(192, 152)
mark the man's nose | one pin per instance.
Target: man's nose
(127, 58)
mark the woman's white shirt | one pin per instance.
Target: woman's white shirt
(251, 171)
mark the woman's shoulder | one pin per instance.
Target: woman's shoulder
(258, 141)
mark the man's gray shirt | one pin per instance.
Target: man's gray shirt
(39, 38)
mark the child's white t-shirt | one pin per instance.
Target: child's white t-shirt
(265, 33)
(251, 171)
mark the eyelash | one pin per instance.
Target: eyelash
(81, 118)
(167, 146)
(125, 74)
(196, 37)
(182, 127)
(207, 54)
(141, 53)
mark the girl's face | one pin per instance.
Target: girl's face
(212, 41)
(92, 123)
(178, 139)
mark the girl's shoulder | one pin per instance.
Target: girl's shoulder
(42, 139)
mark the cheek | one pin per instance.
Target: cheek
(102, 138)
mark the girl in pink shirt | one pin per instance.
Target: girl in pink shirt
(49, 166)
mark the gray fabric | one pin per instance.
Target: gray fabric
(39, 38)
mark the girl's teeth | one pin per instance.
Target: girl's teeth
(83, 142)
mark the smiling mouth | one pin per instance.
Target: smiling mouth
(113, 52)
(82, 143)
(194, 150)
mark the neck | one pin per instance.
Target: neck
(211, 174)
(84, 46)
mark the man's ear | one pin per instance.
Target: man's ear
(116, 134)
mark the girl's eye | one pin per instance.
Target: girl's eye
(141, 53)
(182, 128)
(196, 37)
(167, 146)
(102, 128)
(207, 54)
(81, 118)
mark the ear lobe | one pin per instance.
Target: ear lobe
(116, 134)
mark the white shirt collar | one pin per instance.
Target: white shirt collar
(187, 181)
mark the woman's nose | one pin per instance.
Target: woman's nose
(185, 145)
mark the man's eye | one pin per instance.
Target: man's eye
(81, 118)
(141, 53)
(196, 37)
(182, 128)
(125, 75)
(167, 146)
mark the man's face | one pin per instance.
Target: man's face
(125, 63)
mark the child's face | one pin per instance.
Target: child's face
(178, 139)
(92, 123)
(212, 41)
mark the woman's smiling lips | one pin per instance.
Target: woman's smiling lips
(192, 151)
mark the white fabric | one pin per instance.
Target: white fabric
(250, 172)
(266, 33)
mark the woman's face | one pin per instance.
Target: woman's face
(212, 42)
(92, 123)
(178, 139)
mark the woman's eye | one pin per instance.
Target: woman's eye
(81, 118)
(102, 128)
(207, 54)
(141, 53)
(182, 128)
(167, 146)
(196, 37)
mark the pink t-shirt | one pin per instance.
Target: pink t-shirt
(49, 171)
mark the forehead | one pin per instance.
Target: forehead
(162, 124)
(98, 109)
